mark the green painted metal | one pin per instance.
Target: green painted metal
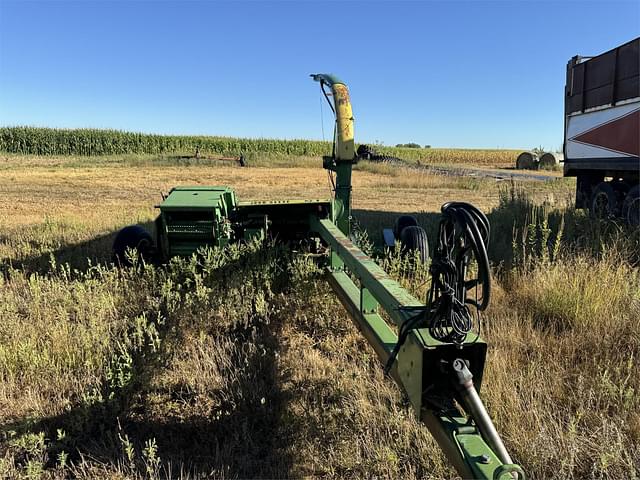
(343, 158)
(365, 290)
(387, 291)
(377, 331)
(195, 217)
(343, 195)
(400, 306)
(200, 198)
(192, 217)
(273, 203)
(465, 447)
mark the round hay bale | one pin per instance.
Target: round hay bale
(527, 161)
(548, 160)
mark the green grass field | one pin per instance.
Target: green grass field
(241, 363)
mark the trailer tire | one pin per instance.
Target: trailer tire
(402, 222)
(414, 239)
(631, 207)
(604, 201)
(132, 237)
(621, 188)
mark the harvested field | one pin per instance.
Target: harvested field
(172, 373)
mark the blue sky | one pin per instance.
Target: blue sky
(459, 74)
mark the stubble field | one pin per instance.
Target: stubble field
(242, 364)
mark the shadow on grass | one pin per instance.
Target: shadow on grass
(98, 250)
(245, 431)
(248, 436)
(79, 256)
(241, 432)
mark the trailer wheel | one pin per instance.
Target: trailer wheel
(631, 207)
(132, 237)
(414, 239)
(621, 188)
(604, 201)
(403, 221)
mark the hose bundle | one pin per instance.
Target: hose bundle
(461, 251)
(463, 237)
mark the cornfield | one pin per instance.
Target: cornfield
(86, 141)
(94, 142)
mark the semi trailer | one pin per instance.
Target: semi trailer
(602, 131)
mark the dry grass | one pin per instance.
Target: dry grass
(244, 364)
(566, 338)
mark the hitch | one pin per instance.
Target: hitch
(475, 407)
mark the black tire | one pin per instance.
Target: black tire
(401, 222)
(132, 237)
(414, 238)
(631, 207)
(604, 201)
(621, 188)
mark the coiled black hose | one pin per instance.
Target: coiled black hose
(463, 236)
(461, 248)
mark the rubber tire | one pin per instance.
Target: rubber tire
(134, 237)
(604, 201)
(631, 207)
(621, 188)
(401, 222)
(414, 238)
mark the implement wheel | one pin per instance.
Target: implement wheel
(414, 238)
(604, 201)
(133, 237)
(403, 221)
(631, 207)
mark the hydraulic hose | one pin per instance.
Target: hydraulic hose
(463, 236)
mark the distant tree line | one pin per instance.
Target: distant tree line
(411, 145)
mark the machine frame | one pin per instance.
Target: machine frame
(436, 376)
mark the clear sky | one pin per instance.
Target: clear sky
(459, 74)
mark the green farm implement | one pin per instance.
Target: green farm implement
(431, 348)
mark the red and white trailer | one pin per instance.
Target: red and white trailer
(602, 131)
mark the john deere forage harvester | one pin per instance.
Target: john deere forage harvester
(437, 357)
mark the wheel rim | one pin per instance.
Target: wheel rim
(143, 248)
(633, 212)
(601, 207)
